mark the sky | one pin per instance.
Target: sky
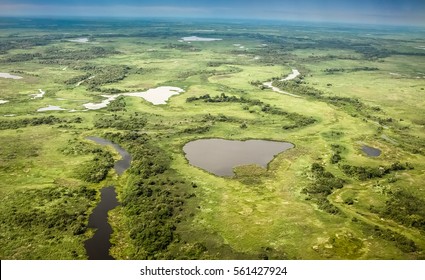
(394, 12)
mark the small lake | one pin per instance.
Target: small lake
(370, 151)
(98, 246)
(220, 156)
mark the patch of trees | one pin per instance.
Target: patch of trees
(56, 55)
(106, 75)
(20, 57)
(143, 70)
(98, 76)
(52, 208)
(154, 199)
(117, 105)
(7, 44)
(333, 134)
(49, 120)
(120, 122)
(337, 150)
(367, 172)
(197, 130)
(402, 242)
(96, 170)
(296, 87)
(219, 118)
(298, 119)
(412, 143)
(77, 147)
(349, 70)
(371, 52)
(77, 79)
(217, 63)
(323, 184)
(214, 72)
(182, 47)
(405, 208)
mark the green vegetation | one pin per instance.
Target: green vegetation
(323, 199)
(323, 185)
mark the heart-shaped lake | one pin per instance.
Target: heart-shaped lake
(220, 156)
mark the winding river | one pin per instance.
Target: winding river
(295, 73)
(98, 246)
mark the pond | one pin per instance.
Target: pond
(220, 156)
(370, 151)
(98, 246)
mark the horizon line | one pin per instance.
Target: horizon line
(211, 18)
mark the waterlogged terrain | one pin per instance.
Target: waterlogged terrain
(334, 170)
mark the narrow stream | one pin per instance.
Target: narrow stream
(98, 246)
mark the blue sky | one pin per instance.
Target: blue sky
(410, 12)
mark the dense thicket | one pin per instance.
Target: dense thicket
(97, 76)
(405, 208)
(57, 55)
(120, 122)
(402, 242)
(18, 123)
(96, 169)
(154, 199)
(367, 172)
(323, 184)
(298, 119)
(56, 208)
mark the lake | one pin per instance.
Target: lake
(220, 156)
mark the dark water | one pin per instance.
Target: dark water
(220, 156)
(121, 165)
(98, 246)
(370, 151)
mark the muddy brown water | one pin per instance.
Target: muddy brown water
(220, 156)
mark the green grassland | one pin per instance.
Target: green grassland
(323, 199)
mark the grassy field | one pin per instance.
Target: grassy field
(323, 199)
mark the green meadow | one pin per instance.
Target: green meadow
(323, 199)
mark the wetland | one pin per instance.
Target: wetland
(222, 140)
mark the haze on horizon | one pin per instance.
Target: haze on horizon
(393, 12)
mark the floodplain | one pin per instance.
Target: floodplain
(329, 90)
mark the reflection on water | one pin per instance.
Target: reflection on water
(98, 246)
(220, 156)
(370, 151)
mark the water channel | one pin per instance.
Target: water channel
(98, 246)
